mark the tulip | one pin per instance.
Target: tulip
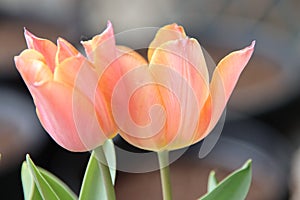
(70, 103)
(172, 103)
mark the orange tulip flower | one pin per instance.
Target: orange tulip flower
(72, 101)
(171, 101)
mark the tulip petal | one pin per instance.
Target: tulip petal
(87, 82)
(45, 47)
(85, 79)
(104, 115)
(165, 34)
(54, 108)
(126, 60)
(179, 66)
(93, 122)
(225, 78)
(131, 55)
(204, 121)
(32, 67)
(186, 58)
(66, 72)
(126, 63)
(64, 50)
(101, 47)
(138, 110)
(78, 73)
(58, 108)
(171, 136)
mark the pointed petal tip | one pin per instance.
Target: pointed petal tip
(249, 49)
(96, 41)
(15, 58)
(252, 45)
(109, 24)
(177, 27)
(28, 34)
(61, 41)
(29, 37)
(109, 29)
(16, 61)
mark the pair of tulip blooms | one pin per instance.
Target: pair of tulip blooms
(164, 103)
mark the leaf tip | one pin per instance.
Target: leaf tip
(24, 165)
(212, 173)
(28, 157)
(248, 164)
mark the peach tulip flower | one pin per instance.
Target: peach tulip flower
(71, 104)
(171, 101)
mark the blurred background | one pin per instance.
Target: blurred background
(262, 116)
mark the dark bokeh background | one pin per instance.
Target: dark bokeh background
(262, 116)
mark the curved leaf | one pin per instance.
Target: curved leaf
(110, 154)
(212, 181)
(49, 186)
(44, 188)
(93, 185)
(29, 188)
(60, 188)
(92, 182)
(234, 187)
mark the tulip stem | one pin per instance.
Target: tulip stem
(163, 158)
(104, 170)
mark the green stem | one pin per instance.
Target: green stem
(104, 170)
(163, 158)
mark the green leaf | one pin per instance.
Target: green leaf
(110, 154)
(92, 182)
(60, 188)
(212, 181)
(93, 185)
(49, 186)
(29, 188)
(44, 188)
(234, 187)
